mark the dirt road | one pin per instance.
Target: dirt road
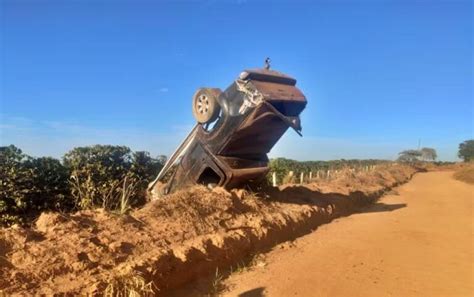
(417, 243)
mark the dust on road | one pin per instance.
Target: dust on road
(418, 242)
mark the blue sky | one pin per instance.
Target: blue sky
(378, 75)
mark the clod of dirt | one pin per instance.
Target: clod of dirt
(48, 221)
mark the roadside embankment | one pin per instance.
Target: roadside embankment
(176, 240)
(465, 172)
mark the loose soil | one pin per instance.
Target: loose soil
(174, 241)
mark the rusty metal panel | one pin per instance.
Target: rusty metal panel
(256, 135)
(268, 76)
(240, 176)
(273, 91)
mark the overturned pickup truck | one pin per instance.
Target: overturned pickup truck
(236, 129)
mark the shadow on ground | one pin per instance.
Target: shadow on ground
(257, 292)
(382, 207)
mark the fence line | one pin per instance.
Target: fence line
(320, 174)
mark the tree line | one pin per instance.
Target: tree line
(116, 178)
(465, 152)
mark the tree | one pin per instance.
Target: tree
(466, 150)
(410, 156)
(428, 154)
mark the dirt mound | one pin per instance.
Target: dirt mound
(465, 173)
(173, 241)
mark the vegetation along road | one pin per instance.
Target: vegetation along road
(417, 241)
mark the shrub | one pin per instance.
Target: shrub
(30, 185)
(144, 169)
(96, 173)
(50, 187)
(108, 176)
(112, 177)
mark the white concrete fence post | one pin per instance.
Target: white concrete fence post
(290, 176)
(274, 179)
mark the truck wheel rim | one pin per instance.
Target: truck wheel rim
(203, 104)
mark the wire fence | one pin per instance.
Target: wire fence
(312, 176)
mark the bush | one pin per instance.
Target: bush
(108, 176)
(30, 185)
(50, 187)
(112, 177)
(144, 169)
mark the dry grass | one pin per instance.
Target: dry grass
(465, 173)
(216, 285)
(129, 286)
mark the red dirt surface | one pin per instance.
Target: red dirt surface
(419, 242)
(173, 241)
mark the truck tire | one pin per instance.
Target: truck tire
(205, 105)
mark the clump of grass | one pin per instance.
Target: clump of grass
(216, 285)
(129, 286)
(240, 267)
(256, 260)
(465, 173)
(128, 190)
